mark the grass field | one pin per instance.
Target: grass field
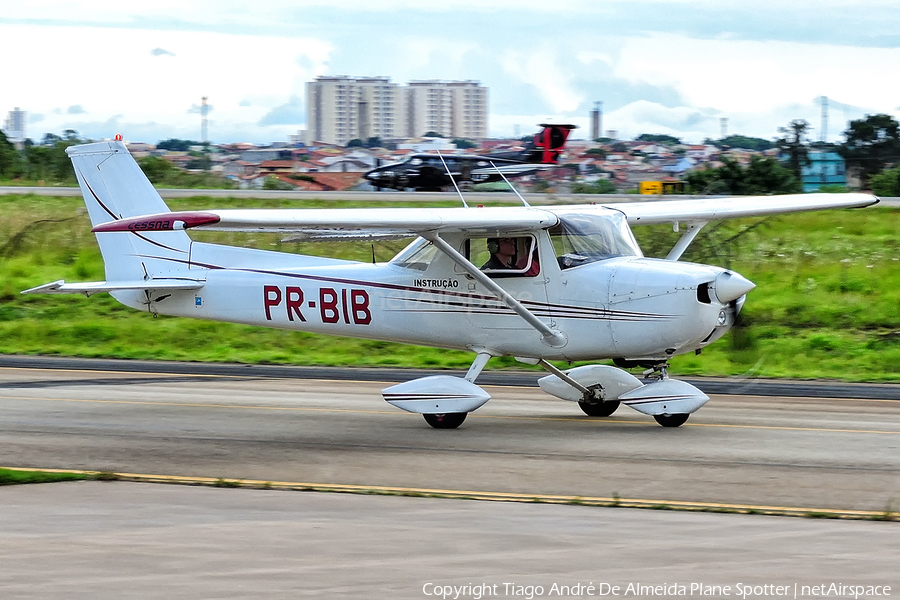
(827, 303)
(20, 476)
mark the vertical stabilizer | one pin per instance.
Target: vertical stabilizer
(544, 148)
(114, 187)
(548, 143)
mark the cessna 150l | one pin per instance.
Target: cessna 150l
(565, 283)
(431, 172)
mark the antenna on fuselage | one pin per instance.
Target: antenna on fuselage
(446, 168)
(510, 185)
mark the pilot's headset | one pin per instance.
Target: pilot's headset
(493, 245)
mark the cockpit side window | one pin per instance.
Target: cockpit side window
(579, 239)
(504, 256)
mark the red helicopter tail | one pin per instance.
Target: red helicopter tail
(548, 143)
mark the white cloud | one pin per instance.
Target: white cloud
(690, 124)
(541, 69)
(112, 71)
(748, 76)
(149, 63)
(588, 58)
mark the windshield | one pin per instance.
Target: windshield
(581, 238)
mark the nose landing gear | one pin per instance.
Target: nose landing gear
(676, 420)
(669, 401)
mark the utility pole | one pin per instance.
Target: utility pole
(204, 110)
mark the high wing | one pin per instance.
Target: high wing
(711, 209)
(360, 223)
(374, 223)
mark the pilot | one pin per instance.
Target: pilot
(503, 254)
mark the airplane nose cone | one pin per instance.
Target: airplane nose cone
(731, 286)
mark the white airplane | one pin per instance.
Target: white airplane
(563, 283)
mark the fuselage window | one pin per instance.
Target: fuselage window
(418, 255)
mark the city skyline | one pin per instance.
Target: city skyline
(671, 67)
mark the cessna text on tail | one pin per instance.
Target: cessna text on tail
(539, 284)
(432, 172)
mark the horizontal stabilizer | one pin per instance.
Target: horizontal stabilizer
(95, 287)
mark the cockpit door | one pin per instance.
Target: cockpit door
(520, 273)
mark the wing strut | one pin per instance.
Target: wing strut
(551, 337)
(693, 228)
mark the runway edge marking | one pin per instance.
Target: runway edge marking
(599, 501)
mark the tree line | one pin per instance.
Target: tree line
(48, 162)
(871, 150)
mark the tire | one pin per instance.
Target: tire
(671, 420)
(446, 420)
(599, 409)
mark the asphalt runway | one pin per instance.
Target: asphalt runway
(118, 540)
(112, 541)
(841, 454)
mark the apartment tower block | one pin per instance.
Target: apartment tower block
(339, 109)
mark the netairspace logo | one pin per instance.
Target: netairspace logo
(639, 590)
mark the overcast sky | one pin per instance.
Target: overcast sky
(659, 66)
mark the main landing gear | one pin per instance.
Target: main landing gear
(599, 409)
(445, 420)
(443, 400)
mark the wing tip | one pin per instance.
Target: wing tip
(170, 221)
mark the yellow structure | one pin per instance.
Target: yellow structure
(661, 187)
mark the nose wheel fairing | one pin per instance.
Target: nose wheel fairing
(665, 397)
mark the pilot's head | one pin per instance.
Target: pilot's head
(504, 245)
